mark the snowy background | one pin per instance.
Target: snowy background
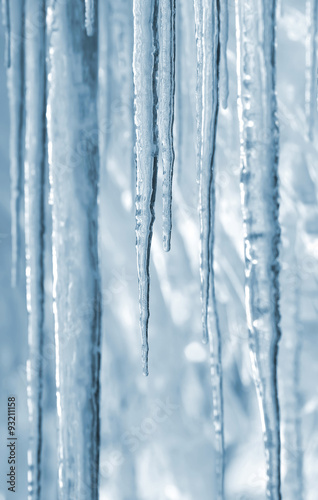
(157, 433)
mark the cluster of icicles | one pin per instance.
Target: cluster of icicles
(45, 89)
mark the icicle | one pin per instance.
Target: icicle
(198, 16)
(74, 172)
(35, 158)
(7, 29)
(90, 17)
(311, 64)
(224, 31)
(144, 68)
(290, 352)
(178, 115)
(166, 108)
(209, 110)
(206, 145)
(216, 364)
(14, 21)
(255, 24)
(217, 388)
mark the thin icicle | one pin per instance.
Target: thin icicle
(198, 16)
(209, 110)
(215, 344)
(166, 108)
(144, 68)
(224, 34)
(290, 353)
(217, 388)
(178, 117)
(15, 75)
(35, 157)
(74, 174)
(7, 30)
(90, 17)
(257, 108)
(311, 65)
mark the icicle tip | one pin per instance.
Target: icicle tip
(145, 369)
(144, 358)
(205, 333)
(14, 279)
(166, 242)
(205, 338)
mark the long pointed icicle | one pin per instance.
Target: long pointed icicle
(144, 68)
(224, 33)
(198, 16)
(35, 157)
(209, 110)
(311, 64)
(90, 17)
(74, 174)
(257, 108)
(166, 108)
(14, 21)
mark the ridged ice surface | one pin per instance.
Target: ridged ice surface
(259, 191)
(74, 174)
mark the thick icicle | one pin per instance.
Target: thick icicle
(224, 33)
(90, 17)
(311, 64)
(166, 108)
(35, 158)
(74, 172)
(14, 21)
(144, 68)
(257, 107)
(198, 16)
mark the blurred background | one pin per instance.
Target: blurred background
(157, 432)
